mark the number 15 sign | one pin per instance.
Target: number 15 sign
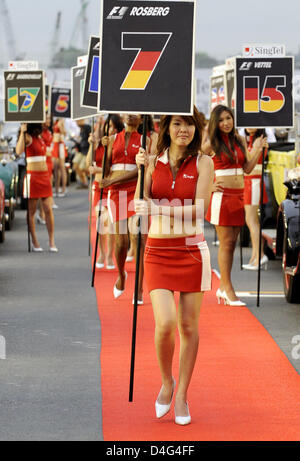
(147, 57)
(264, 92)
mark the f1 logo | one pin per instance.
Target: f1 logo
(117, 12)
(246, 65)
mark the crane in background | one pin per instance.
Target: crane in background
(78, 45)
(11, 43)
(81, 26)
(56, 38)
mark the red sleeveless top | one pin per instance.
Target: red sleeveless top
(37, 148)
(99, 154)
(126, 156)
(183, 187)
(250, 140)
(223, 162)
(47, 137)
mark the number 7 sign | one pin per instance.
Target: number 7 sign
(150, 47)
(264, 94)
(147, 57)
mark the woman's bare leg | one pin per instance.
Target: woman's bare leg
(32, 206)
(227, 236)
(47, 205)
(188, 324)
(164, 309)
(252, 221)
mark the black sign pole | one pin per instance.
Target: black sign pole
(261, 227)
(241, 248)
(137, 273)
(27, 200)
(91, 189)
(100, 206)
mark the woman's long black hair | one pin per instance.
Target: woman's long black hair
(34, 129)
(216, 139)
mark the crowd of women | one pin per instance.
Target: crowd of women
(194, 170)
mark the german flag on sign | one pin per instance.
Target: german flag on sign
(150, 48)
(251, 94)
(273, 99)
(141, 70)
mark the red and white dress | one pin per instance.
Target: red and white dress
(36, 183)
(253, 181)
(227, 208)
(121, 196)
(177, 264)
(59, 148)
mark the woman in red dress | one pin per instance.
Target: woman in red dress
(37, 182)
(226, 211)
(59, 154)
(252, 202)
(121, 179)
(177, 191)
(115, 126)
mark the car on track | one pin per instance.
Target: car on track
(282, 239)
(288, 237)
(9, 176)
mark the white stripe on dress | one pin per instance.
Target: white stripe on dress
(109, 207)
(216, 205)
(206, 267)
(27, 180)
(255, 191)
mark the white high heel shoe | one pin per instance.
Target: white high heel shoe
(37, 250)
(40, 220)
(220, 296)
(183, 420)
(117, 292)
(263, 264)
(99, 265)
(162, 409)
(228, 302)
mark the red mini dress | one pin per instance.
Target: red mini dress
(253, 182)
(177, 264)
(59, 148)
(121, 196)
(36, 183)
(227, 208)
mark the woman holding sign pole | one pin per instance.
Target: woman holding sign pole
(226, 211)
(59, 157)
(115, 126)
(121, 178)
(178, 184)
(252, 198)
(38, 181)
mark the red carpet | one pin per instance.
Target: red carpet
(243, 387)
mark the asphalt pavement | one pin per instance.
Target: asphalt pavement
(50, 371)
(50, 379)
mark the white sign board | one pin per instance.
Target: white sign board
(82, 61)
(23, 65)
(263, 51)
(219, 70)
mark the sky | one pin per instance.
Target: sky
(221, 27)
